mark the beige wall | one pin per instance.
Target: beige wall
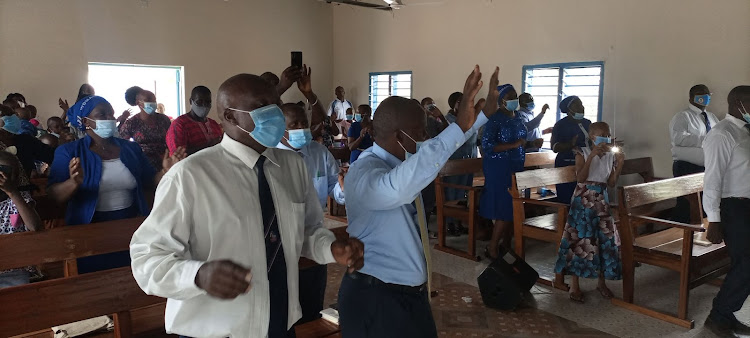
(45, 44)
(653, 52)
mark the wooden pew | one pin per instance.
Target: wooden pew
(672, 249)
(644, 167)
(468, 213)
(541, 159)
(39, 306)
(547, 227)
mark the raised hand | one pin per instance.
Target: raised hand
(75, 170)
(124, 116)
(168, 161)
(349, 252)
(288, 77)
(466, 113)
(304, 83)
(490, 106)
(545, 108)
(223, 279)
(63, 104)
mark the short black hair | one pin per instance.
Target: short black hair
(425, 100)
(695, 89)
(131, 94)
(454, 98)
(16, 96)
(271, 78)
(365, 107)
(525, 98)
(200, 90)
(55, 118)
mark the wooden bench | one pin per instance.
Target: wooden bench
(468, 213)
(39, 306)
(541, 159)
(672, 249)
(548, 227)
(644, 167)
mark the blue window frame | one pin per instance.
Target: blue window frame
(550, 83)
(385, 84)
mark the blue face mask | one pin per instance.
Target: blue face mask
(601, 139)
(702, 100)
(104, 128)
(299, 138)
(530, 106)
(358, 117)
(745, 114)
(578, 116)
(511, 105)
(406, 153)
(269, 125)
(349, 117)
(149, 107)
(12, 124)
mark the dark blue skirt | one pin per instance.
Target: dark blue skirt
(110, 260)
(496, 202)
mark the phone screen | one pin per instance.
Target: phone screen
(297, 59)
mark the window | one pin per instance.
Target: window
(551, 83)
(111, 80)
(383, 85)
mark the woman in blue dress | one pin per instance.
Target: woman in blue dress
(503, 140)
(569, 133)
(359, 133)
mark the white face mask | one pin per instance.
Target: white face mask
(406, 153)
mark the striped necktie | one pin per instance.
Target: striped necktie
(422, 221)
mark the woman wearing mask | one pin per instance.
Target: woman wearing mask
(101, 177)
(194, 131)
(569, 133)
(503, 140)
(26, 147)
(359, 133)
(148, 129)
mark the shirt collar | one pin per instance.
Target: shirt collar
(696, 109)
(736, 121)
(384, 155)
(247, 155)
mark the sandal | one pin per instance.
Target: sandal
(577, 297)
(605, 292)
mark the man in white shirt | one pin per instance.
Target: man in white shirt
(726, 200)
(337, 108)
(687, 130)
(228, 227)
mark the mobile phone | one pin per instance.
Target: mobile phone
(297, 59)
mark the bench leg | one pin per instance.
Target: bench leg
(628, 280)
(123, 325)
(519, 216)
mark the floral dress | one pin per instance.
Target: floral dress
(151, 135)
(590, 243)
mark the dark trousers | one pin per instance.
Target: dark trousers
(735, 219)
(312, 292)
(682, 209)
(369, 308)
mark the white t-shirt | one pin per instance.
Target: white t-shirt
(337, 109)
(601, 167)
(116, 186)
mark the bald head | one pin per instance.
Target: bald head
(739, 101)
(400, 124)
(340, 93)
(245, 92)
(270, 78)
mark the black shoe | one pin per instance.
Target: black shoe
(719, 330)
(741, 329)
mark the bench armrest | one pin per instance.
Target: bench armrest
(684, 226)
(543, 203)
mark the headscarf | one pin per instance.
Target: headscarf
(502, 90)
(566, 102)
(82, 109)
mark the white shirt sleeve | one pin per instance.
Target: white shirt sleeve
(693, 155)
(330, 108)
(718, 152)
(159, 252)
(317, 239)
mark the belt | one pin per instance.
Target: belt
(370, 280)
(737, 198)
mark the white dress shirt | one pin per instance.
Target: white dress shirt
(323, 170)
(337, 109)
(727, 151)
(207, 209)
(687, 131)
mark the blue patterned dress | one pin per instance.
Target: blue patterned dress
(590, 244)
(496, 202)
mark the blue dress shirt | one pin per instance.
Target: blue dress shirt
(380, 190)
(323, 170)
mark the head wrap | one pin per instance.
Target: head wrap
(82, 109)
(566, 102)
(502, 90)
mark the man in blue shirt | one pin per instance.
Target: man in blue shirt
(534, 139)
(389, 296)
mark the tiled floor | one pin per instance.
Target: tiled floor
(655, 287)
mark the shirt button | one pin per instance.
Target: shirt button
(437, 165)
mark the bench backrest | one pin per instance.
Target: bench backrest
(39, 306)
(643, 166)
(652, 192)
(543, 177)
(540, 159)
(66, 243)
(461, 167)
